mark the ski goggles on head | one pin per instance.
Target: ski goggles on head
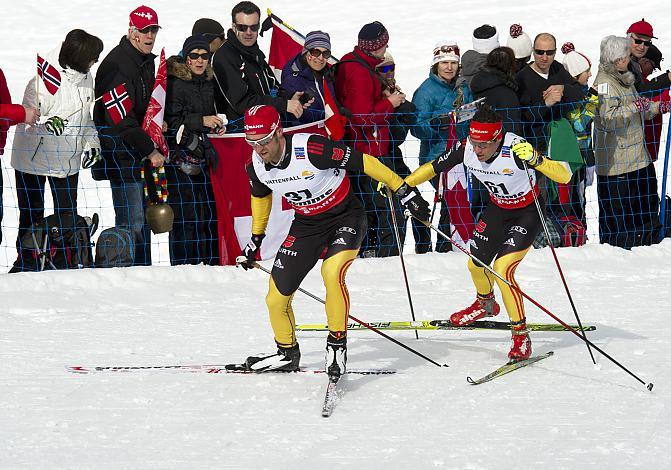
(446, 50)
(387, 68)
(261, 142)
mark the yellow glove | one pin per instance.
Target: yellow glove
(525, 152)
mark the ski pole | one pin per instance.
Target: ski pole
(400, 254)
(533, 301)
(554, 254)
(362, 323)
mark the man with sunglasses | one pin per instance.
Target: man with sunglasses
(546, 91)
(509, 222)
(640, 36)
(123, 141)
(310, 172)
(242, 76)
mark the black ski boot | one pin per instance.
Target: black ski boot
(285, 360)
(336, 354)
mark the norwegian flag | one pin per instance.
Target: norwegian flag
(153, 118)
(49, 75)
(118, 103)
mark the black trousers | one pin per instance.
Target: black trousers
(30, 196)
(629, 208)
(194, 235)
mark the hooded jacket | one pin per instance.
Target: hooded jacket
(359, 89)
(243, 79)
(471, 63)
(500, 92)
(124, 144)
(10, 114)
(619, 143)
(298, 76)
(435, 97)
(37, 152)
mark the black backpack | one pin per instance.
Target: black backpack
(115, 248)
(59, 241)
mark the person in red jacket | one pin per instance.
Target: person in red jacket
(363, 92)
(10, 115)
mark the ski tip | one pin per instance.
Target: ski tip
(470, 381)
(444, 365)
(649, 386)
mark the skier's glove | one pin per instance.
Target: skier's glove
(248, 257)
(413, 202)
(91, 157)
(441, 122)
(55, 125)
(525, 152)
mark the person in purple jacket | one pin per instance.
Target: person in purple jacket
(305, 73)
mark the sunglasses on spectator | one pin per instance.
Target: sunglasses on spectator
(447, 49)
(316, 53)
(149, 29)
(261, 142)
(196, 55)
(244, 27)
(387, 68)
(642, 41)
(545, 52)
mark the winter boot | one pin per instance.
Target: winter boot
(520, 348)
(484, 306)
(336, 354)
(286, 360)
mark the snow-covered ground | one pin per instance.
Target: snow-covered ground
(561, 413)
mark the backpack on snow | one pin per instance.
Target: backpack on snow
(115, 248)
(59, 241)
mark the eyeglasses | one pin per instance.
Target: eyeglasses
(480, 145)
(261, 142)
(149, 29)
(387, 68)
(316, 53)
(446, 49)
(545, 52)
(244, 27)
(642, 41)
(196, 55)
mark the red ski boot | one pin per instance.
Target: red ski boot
(520, 348)
(484, 306)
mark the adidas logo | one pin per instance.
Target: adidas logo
(278, 264)
(339, 241)
(510, 242)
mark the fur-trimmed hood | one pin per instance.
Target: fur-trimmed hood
(625, 78)
(177, 68)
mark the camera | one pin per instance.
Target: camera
(306, 96)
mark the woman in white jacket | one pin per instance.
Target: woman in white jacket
(53, 149)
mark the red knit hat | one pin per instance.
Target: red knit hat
(641, 27)
(261, 119)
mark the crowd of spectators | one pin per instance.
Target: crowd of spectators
(615, 122)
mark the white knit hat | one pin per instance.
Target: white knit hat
(575, 62)
(446, 51)
(519, 42)
(485, 45)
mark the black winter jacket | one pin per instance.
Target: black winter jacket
(535, 114)
(125, 144)
(651, 87)
(243, 79)
(500, 92)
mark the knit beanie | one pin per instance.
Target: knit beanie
(317, 39)
(373, 36)
(485, 39)
(655, 55)
(519, 42)
(445, 51)
(197, 41)
(575, 62)
(209, 28)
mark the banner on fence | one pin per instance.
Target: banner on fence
(231, 193)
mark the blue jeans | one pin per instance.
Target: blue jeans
(129, 205)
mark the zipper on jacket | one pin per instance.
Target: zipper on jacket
(39, 144)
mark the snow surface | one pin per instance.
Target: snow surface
(561, 413)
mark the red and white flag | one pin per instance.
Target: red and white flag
(285, 44)
(334, 121)
(153, 118)
(49, 75)
(118, 103)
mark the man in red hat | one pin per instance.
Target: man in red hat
(310, 172)
(510, 221)
(640, 36)
(128, 72)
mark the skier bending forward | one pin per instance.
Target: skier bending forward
(310, 171)
(509, 223)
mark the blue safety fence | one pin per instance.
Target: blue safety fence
(613, 196)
